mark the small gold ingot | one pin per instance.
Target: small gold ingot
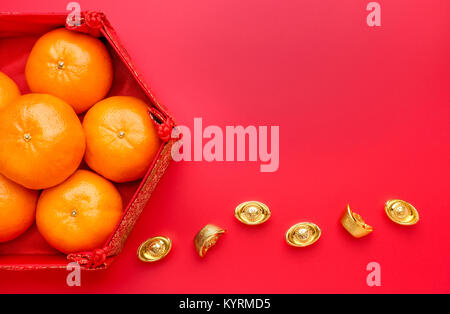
(354, 224)
(207, 238)
(252, 213)
(303, 234)
(401, 212)
(154, 249)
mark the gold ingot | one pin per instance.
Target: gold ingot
(354, 224)
(154, 249)
(303, 234)
(401, 212)
(252, 213)
(207, 238)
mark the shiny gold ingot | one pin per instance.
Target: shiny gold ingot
(154, 249)
(354, 224)
(401, 212)
(303, 234)
(207, 238)
(252, 213)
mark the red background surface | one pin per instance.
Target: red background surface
(363, 115)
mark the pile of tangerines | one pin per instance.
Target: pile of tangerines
(46, 134)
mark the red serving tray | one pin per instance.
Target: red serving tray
(18, 33)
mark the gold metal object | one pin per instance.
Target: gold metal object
(303, 234)
(354, 224)
(207, 238)
(252, 213)
(154, 249)
(401, 212)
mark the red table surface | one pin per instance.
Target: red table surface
(363, 115)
